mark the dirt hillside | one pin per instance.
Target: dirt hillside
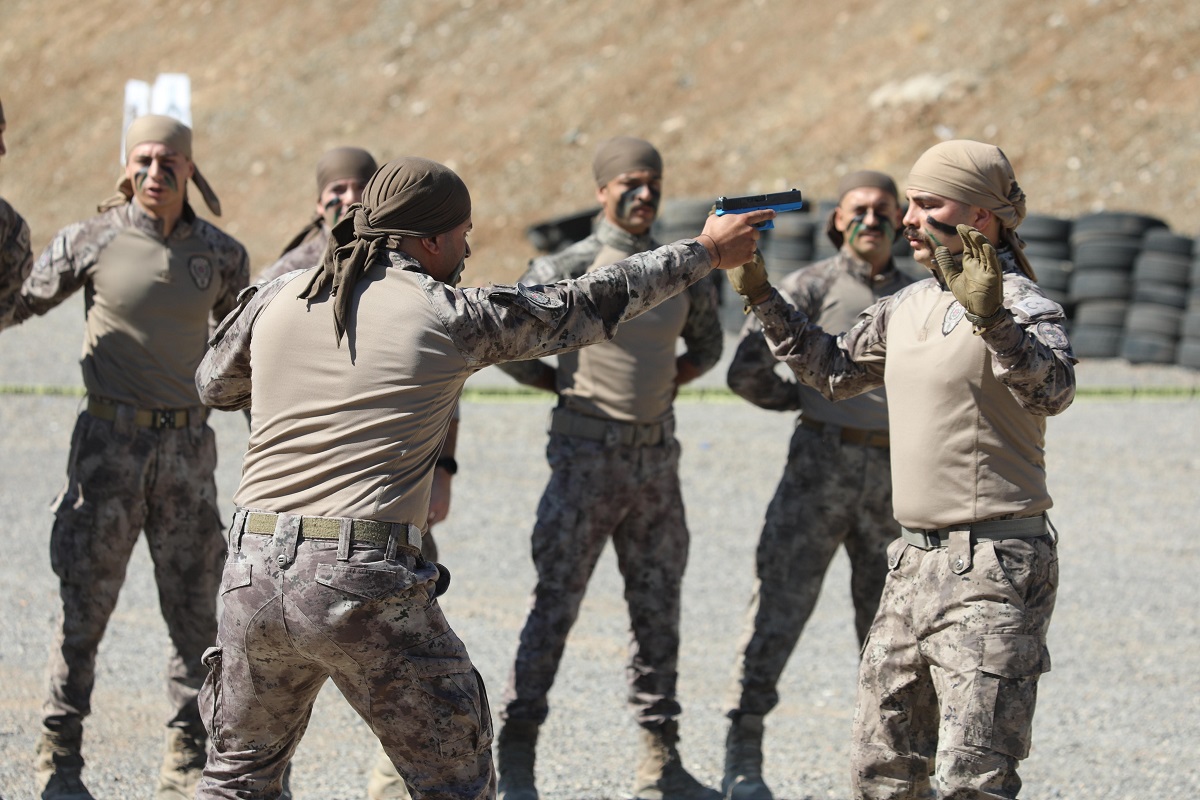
(1095, 101)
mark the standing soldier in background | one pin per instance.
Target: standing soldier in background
(615, 474)
(16, 259)
(341, 175)
(157, 280)
(836, 488)
(324, 578)
(974, 359)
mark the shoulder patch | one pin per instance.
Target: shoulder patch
(1052, 334)
(1035, 306)
(545, 308)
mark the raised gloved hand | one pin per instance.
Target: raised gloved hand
(978, 285)
(750, 279)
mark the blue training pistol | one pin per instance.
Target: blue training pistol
(779, 201)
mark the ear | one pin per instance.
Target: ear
(432, 244)
(602, 194)
(981, 218)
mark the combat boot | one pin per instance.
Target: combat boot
(660, 773)
(516, 747)
(385, 782)
(58, 762)
(183, 761)
(743, 760)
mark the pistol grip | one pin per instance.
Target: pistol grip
(765, 226)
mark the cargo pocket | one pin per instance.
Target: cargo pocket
(1005, 693)
(235, 575)
(457, 706)
(371, 582)
(210, 695)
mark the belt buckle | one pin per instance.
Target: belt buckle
(163, 419)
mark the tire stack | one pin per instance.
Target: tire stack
(1048, 248)
(684, 218)
(1161, 275)
(554, 234)
(1104, 247)
(1188, 354)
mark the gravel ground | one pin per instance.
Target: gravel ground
(1118, 717)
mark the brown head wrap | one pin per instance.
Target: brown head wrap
(857, 180)
(175, 135)
(406, 197)
(344, 162)
(977, 174)
(624, 154)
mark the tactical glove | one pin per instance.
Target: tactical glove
(978, 285)
(750, 279)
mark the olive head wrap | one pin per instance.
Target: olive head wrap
(980, 175)
(623, 154)
(857, 180)
(175, 135)
(407, 197)
(344, 162)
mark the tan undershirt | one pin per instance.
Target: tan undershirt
(630, 378)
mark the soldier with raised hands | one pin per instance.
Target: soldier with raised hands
(158, 279)
(974, 359)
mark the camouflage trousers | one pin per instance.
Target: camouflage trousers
(297, 612)
(831, 495)
(597, 492)
(122, 480)
(950, 670)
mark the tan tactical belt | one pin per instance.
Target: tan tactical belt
(851, 435)
(367, 531)
(995, 530)
(109, 410)
(629, 434)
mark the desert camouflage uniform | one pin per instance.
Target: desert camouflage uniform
(16, 259)
(298, 611)
(122, 476)
(833, 493)
(608, 489)
(950, 668)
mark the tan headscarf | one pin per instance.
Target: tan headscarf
(407, 197)
(857, 180)
(175, 135)
(623, 154)
(977, 174)
(337, 164)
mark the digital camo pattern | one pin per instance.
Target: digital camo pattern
(64, 267)
(1030, 352)
(487, 325)
(950, 670)
(16, 259)
(701, 330)
(303, 256)
(831, 495)
(122, 480)
(295, 615)
(752, 373)
(597, 492)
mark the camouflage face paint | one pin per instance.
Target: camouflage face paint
(139, 178)
(333, 211)
(630, 200)
(858, 224)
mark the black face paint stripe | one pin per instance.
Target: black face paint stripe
(949, 230)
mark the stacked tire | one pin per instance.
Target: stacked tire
(1048, 248)
(556, 233)
(1188, 353)
(1104, 248)
(1161, 275)
(684, 218)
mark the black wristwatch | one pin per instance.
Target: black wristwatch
(447, 463)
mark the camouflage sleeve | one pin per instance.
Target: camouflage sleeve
(702, 332)
(752, 375)
(235, 276)
(223, 378)
(541, 271)
(836, 366)
(16, 259)
(305, 256)
(59, 271)
(1031, 354)
(509, 323)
